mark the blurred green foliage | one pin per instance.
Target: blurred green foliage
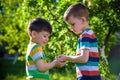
(9, 71)
(104, 19)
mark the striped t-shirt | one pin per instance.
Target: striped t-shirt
(89, 70)
(34, 53)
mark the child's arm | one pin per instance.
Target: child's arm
(42, 66)
(79, 59)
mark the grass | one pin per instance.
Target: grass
(9, 71)
(114, 66)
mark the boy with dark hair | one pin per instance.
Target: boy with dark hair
(36, 66)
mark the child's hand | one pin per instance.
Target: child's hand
(61, 58)
(59, 63)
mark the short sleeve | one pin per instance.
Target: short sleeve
(36, 53)
(84, 43)
(87, 40)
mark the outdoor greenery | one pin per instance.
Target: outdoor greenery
(9, 71)
(104, 19)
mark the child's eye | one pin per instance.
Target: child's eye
(72, 24)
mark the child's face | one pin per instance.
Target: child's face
(76, 24)
(42, 37)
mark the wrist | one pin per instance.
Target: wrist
(53, 63)
(68, 58)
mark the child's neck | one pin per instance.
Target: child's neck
(32, 40)
(86, 26)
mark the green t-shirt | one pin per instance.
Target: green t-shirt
(34, 53)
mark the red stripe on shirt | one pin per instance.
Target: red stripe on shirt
(90, 73)
(88, 35)
(94, 54)
(91, 54)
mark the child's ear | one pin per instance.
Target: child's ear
(83, 19)
(33, 34)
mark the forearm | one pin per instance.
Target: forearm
(76, 59)
(83, 58)
(45, 66)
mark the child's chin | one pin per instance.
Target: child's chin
(76, 32)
